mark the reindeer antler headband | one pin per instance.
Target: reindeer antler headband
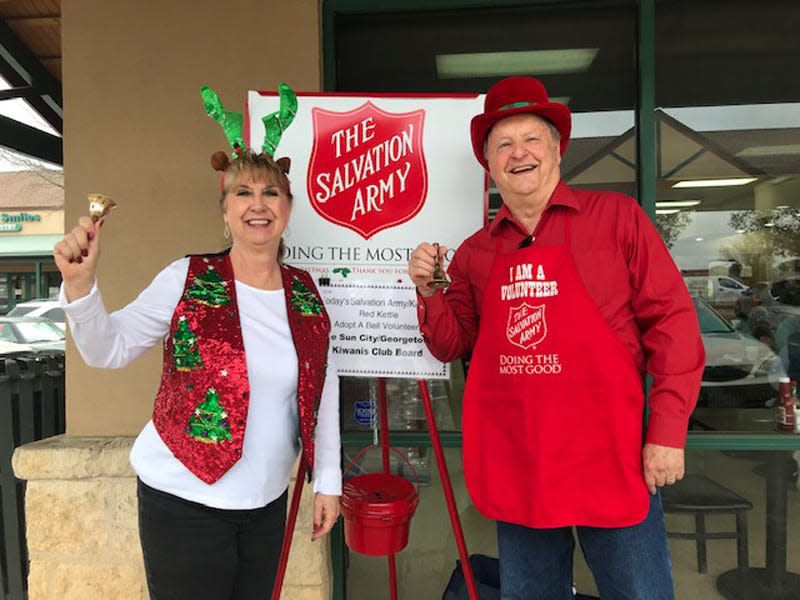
(232, 124)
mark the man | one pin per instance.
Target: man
(565, 300)
(735, 271)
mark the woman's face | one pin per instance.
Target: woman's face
(257, 213)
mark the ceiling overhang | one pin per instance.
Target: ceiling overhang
(31, 81)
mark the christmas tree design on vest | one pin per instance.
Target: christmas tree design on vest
(209, 288)
(185, 348)
(303, 300)
(209, 423)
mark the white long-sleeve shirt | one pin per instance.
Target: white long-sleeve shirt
(271, 440)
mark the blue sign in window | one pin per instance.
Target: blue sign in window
(364, 412)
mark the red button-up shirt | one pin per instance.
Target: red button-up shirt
(627, 271)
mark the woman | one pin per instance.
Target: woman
(244, 376)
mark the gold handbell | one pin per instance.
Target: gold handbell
(99, 206)
(439, 279)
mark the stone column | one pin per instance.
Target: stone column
(83, 544)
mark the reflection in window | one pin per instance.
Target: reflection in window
(728, 199)
(728, 204)
(39, 331)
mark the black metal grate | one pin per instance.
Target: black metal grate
(31, 408)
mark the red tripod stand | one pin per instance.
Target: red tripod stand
(444, 477)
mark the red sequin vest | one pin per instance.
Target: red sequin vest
(201, 407)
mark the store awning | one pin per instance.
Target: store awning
(28, 246)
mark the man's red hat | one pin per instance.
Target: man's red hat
(514, 96)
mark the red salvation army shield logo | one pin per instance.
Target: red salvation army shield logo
(367, 170)
(527, 326)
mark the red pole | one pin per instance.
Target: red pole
(447, 487)
(384, 429)
(289, 531)
(392, 578)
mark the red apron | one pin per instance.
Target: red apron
(553, 403)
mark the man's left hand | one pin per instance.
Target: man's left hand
(662, 465)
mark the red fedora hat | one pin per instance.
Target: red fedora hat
(514, 96)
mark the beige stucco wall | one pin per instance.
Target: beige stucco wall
(134, 128)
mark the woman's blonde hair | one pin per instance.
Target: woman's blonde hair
(249, 166)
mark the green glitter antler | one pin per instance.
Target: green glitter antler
(276, 123)
(232, 123)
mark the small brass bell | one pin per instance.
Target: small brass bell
(439, 279)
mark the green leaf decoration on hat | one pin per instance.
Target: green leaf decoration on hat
(232, 123)
(276, 123)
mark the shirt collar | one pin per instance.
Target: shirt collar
(562, 196)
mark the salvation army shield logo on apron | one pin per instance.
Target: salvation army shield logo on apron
(367, 170)
(527, 326)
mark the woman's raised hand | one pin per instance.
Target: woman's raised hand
(76, 257)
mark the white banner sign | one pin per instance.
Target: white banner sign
(372, 177)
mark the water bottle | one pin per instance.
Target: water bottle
(784, 417)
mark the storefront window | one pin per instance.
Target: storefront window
(727, 126)
(729, 502)
(728, 208)
(728, 201)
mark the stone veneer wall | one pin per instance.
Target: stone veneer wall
(81, 516)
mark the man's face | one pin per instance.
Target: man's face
(523, 157)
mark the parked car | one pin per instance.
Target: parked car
(720, 291)
(41, 334)
(12, 349)
(42, 307)
(740, 371)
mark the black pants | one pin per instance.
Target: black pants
(192, 551)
